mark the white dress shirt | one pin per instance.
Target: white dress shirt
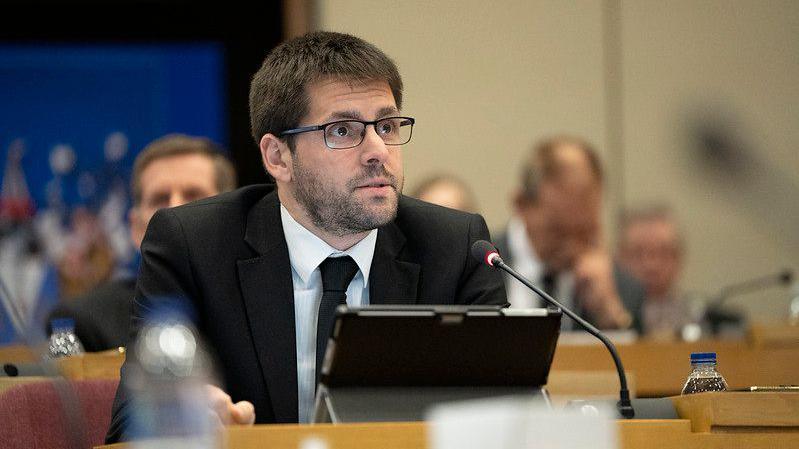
(306, 252)
(526, 262)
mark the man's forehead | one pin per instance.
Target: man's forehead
(567, 194)
(190, 170)
(337, 98)
(174, 162)
(656, 228)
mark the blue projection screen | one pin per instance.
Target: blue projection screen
(72, 119)
(78, 96)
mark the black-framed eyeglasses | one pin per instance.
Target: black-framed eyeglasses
(343, 134)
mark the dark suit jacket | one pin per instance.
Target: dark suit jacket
(102, 316)
(631, 291)
(228, 256)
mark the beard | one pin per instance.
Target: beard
(342, 212)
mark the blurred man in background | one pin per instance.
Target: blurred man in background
(448, 191)
(170, 171)
(651, 248)
(555, 237)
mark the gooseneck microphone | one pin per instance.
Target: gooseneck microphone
(486, 253)
(716, 315)
(784, 277)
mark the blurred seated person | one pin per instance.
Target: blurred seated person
(651, 248)
(170, 171)
(448, 191)
(555, 238)
(87, 260)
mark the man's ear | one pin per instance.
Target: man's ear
(276, 156)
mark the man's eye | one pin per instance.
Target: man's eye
(158, 201)
(386, 128)
(341, 131)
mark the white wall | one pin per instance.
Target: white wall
(485, 80)
(741, 58)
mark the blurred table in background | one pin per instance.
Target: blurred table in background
(769, 356)
(774, 335)
(16, 354)
(93, 365)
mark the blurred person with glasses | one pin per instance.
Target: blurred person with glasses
(259, 264)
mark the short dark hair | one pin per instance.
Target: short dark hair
(178, 145)
(278, 96)
(543, 165)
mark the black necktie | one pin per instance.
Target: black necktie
(337, 272)
(548, 282)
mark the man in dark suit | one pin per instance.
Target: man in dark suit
(555, 237)
(257, 263)
(171, 170)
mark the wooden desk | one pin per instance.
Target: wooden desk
(633, 434)
(93, 365)
(660, 368)
(16, 354)
(708, 420)
(774, 334)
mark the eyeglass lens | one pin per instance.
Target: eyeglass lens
(348, 134)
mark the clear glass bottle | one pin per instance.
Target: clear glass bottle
(704, 376)
(167, 386)
(63, 341)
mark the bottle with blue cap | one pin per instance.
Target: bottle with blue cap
(63, 341)
(704, 376)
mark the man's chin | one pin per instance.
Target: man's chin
(381, 212)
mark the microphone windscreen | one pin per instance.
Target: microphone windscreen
(481, 249)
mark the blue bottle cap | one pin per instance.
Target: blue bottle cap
(62, 324)
(703, 357)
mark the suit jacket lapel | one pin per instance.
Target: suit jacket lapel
(392, 280)
(269, 301)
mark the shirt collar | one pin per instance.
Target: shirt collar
(307, 251)
(522, 251)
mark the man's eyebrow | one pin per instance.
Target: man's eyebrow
(343, 115)
(387, 111)
(354, 114)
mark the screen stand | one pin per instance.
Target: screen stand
(394, 404)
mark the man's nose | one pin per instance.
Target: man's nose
(373, 149)
(176, 199)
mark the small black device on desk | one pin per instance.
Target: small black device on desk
(391, 363)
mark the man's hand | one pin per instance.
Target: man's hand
(242, 412)
(593, 275)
